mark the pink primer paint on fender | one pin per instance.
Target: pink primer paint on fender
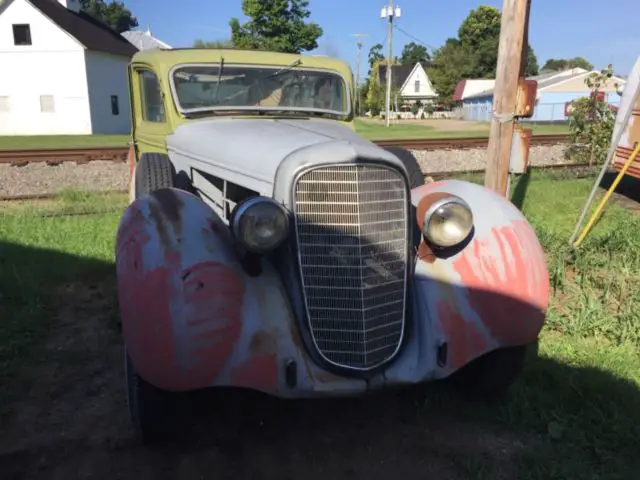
(494, 292)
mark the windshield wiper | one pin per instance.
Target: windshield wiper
(221, 69)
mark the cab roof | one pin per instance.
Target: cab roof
(165, 59)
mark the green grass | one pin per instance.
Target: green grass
(40, 251)
(44, 142)
(576, 409)
(368, 130)
(406, 131)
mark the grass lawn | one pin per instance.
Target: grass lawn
(406, 131)
(44, 142)
(575, 414)
(366, 129)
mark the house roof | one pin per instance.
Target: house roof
(470, 86)
(399, 75)
(144, 40)
(545, 80)
(91, 33)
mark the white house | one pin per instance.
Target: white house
(412, 84)
(63, 72)
(144, 40)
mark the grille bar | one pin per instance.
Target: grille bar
(352, 231)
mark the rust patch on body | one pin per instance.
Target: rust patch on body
(507, 281)
(259, 372)
(170, 204)
(262, 343)
(213, 309)
(465, 338)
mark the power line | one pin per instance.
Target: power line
(414, 38)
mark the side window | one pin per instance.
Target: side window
(151, 96)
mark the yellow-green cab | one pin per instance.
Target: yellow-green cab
(161, 81)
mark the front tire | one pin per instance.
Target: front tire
(491, 375)
(153, 172)
(416, 177)
(153, 412)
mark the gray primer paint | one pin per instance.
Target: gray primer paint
(265, 155)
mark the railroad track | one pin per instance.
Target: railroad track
(576, 170)
(57, 156)
(119, 154)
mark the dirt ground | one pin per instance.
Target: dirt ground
(443, 124)
(71, 421)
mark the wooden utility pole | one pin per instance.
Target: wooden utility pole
(512, 57)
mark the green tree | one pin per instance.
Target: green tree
(473, 54)
(114, 14)
(375, 93)
(413, 53)
(276, 25)
(559, 64)
(375, 56)
(592, 119)
(450, 64)
(213, 44)
(480, 34)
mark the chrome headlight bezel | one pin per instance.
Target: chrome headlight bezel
(240, 213)
(434, 208)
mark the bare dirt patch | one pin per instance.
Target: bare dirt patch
(72, 422)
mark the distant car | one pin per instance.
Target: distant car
(268, 246)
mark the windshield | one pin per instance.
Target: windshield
(233, 87)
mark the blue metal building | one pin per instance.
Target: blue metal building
(555, 90)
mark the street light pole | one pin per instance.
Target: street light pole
(358, 96)
(390, 13)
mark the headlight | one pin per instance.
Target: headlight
(448, 222)
(260, 224)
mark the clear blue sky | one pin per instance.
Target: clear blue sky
(602, 32)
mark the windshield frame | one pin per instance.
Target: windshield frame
(346, 114)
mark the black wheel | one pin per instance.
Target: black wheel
(416, 177)
(491, 375)
(153, 411)
(153, 172)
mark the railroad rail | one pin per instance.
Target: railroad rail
(119, 154)
(56, 156)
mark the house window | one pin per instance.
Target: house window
(5, 106)
(115, 107)
(416, 86)
(21, 35)
(47, 104)
(152, 106)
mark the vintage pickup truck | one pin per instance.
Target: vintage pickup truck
(268, 246)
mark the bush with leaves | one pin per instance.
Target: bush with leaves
(591, 121)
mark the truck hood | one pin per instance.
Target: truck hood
(249, 151)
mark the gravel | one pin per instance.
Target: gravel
(434, 161)
(40, 179)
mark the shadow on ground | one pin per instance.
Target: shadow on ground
(627, 191)
(64, 410)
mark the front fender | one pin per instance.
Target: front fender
(193, 318)
(492, 293)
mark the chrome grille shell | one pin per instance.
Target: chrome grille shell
(352, 232)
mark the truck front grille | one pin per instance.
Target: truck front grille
(352, 234)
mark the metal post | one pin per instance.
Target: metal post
(390, 14)
(359, 45)
(359, 110)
